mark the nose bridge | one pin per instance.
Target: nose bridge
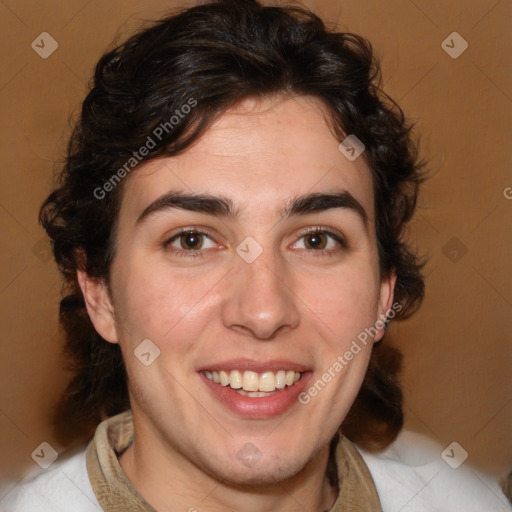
(261, 300)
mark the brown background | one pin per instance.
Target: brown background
(458, 351)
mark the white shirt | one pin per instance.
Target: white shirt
(410, 476)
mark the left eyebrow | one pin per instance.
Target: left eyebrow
(317, 202)
(223, 207)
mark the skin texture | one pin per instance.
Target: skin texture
(294, 302)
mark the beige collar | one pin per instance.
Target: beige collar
(114, 491)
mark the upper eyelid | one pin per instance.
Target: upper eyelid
(337, 237)
(194, 229)
(335, 233)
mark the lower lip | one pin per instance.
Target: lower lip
(258, 407)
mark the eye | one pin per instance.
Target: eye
(190, 240)
(320, 240)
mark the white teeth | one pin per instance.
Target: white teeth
(254, 394)
(267, 382)
(280, 379)
(235, 380)
(250, 381)
(224, 378)
(253, 384)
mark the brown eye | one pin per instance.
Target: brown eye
(315, 241)
(191, 240)
(320, 242)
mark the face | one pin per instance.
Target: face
(251, 291)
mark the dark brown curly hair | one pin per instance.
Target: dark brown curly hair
(219, 54)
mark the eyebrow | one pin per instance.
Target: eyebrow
(219, 206)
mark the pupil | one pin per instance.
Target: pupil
(316, 241)
(191, 240)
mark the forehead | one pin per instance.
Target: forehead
(260, 153)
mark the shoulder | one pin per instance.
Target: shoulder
(415, 473)
(62, 487)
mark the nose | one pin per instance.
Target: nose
(260, 301)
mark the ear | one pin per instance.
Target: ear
(99, 305)
(387, 290)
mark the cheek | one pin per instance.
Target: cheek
(345, 301)
(157, 303)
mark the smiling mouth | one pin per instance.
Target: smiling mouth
(253, 384)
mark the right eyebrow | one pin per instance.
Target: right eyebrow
(203, 203)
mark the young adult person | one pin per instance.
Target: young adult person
(230, 225)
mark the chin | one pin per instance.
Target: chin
(263, 475)
(251, 469)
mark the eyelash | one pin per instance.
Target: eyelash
(325, 252)
(315, 253)
(190, 253)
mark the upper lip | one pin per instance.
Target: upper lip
(271, 365)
